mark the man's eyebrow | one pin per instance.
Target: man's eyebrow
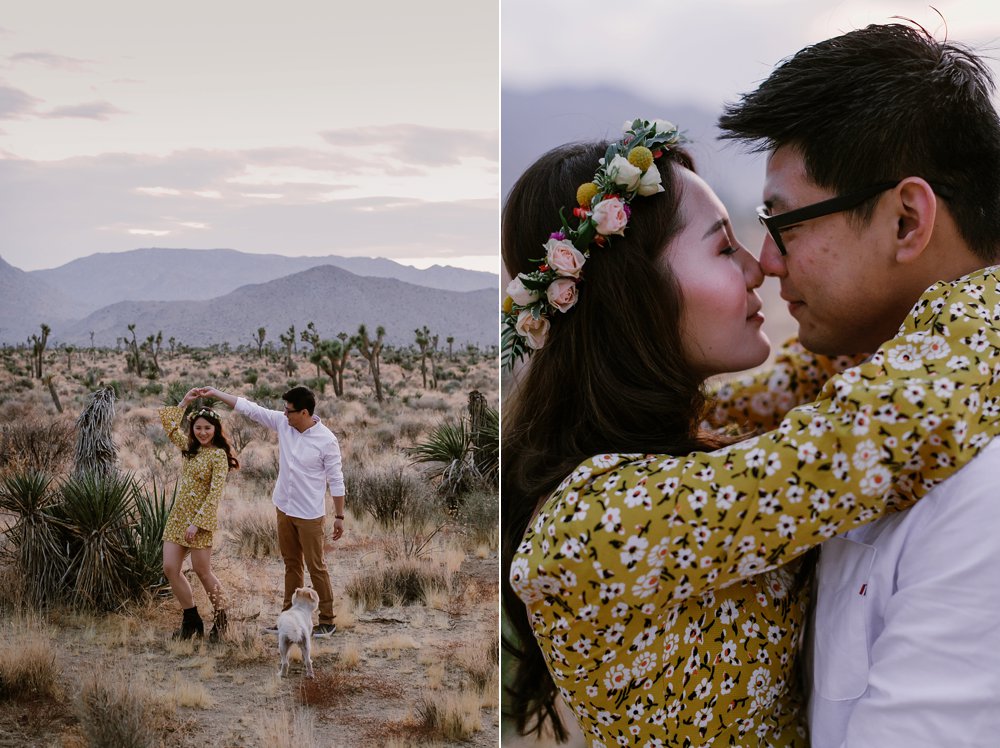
(720, 224)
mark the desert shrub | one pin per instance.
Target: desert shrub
(317, 384)
(410, 427)
(94, 542)
(261, 471)
(153, 389)
(478, 515)
(31, 445)
(430, 403)
(253, 531)
(92, 377)
(384, 435)
(250, 376)
(402, 582)
(23, 384)
(389, 495)
(283, 729)
(35, 535)
(264, 394)
(176, 391)
(450, 716)
(28, 666)
(114, 712)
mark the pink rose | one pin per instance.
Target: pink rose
(521, 295)
(562, 294)
(610, 217)
(564, 258)
(534, 331)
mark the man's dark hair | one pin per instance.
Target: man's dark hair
(883, 103)
(301, 398)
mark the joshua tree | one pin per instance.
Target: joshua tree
(450, 339)
(259, 341)
(95, 449)
(331, 357)
(173, 345)
(288, 340)
(371, 350)
(152, 345)
(38, 350)
(69, 358)
(423, 343)
(310, 336)
(132, 357)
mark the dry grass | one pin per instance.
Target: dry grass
(118, 709)
(287, 729)
(402, 582)
(28, 666)
(369, 676)
(451, 716)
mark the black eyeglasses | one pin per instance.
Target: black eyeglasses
(774, 224)
(289, 412)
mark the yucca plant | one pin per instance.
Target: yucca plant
(150, 509)
(447, 457)
(96, 451)
(96, 511)
(485, 445)
(35, 535)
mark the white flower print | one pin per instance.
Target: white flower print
(755, 458)
(768, 503)
(728, 652)
(944, 388)
(684, 558)
(934, 347)
(645, 637)
(634, 550)
(647, 584)
(725, 497)
(618, 676)
(637, 496)
(904, 358)
(604, 461)
(807, 452)
(611, 520)
(759, 681)
(751, 564)
(914, 392)
(786, 526)
(698, 499)
(876, 481)
(703, 716)
(643, 663)
(866, 454)
(773, 464)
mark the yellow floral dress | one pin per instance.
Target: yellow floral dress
(663, 591)
(202, 482)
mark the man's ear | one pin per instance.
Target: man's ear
(916, 206)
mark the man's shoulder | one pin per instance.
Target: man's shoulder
(967, 499)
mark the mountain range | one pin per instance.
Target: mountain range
(213, 296)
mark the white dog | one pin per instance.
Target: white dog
(295, 627)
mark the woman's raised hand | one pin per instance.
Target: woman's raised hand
(190, 395)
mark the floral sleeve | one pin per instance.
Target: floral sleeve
(172, 417)
(759, 400)
(880, 435)
(206, 516)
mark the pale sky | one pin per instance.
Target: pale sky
(304, 128)
(703, 51)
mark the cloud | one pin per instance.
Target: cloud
(55, 211)
(419, 145)
(99, 110)
(52, 61)
(15, 103)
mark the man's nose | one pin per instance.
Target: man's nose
(772, 262)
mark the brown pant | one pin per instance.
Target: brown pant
(298, 540)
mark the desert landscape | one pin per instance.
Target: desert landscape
(414, 660)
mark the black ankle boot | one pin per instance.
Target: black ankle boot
(218, 626)
(191, 625)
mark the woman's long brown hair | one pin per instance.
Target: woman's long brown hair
(611, 377)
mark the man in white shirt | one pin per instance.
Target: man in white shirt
(309, 461)
(882, 179)
(906, 637)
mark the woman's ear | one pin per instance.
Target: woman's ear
(916, 205)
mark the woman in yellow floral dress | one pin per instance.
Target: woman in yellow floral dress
(207, 460)
(656, 587)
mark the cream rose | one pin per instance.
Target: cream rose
(650, 184)
(562, 294)
(521, 295)
(564, 258)
(534, 331)
(624, 173)
(610, 216)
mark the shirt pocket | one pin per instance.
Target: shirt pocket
(840, 644)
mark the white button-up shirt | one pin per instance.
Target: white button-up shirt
(906, 644)
(308, 461)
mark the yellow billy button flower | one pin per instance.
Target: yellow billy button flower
(508, 305)
(585, 193)
(640, 157)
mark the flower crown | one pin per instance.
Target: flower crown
(603, 211)
(196, 414)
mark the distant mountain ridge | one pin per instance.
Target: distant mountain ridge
(212, 309)
(334, 299)
(162, 274)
